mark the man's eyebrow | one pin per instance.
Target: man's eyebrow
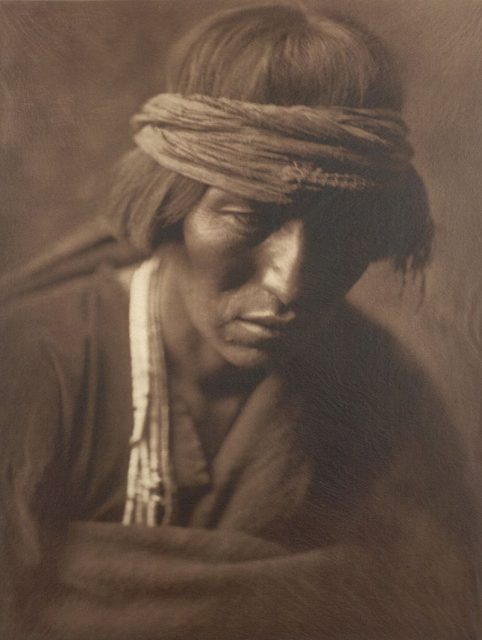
(237, 205)
(225, 201)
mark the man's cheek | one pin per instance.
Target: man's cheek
(220, 272)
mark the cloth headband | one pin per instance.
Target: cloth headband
(270, 152)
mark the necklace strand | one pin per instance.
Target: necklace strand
(150, 486)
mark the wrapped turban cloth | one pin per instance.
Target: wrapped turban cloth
(268, 152)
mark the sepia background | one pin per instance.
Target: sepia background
(72, 73)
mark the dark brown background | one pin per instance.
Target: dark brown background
(73, 72)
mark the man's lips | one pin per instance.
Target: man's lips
(259, 327)
(253, 333)
(269, 320)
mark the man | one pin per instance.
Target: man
(204, 440)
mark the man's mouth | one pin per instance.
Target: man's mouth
(258, 327)
(269, 320)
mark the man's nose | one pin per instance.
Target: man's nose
(281, 261)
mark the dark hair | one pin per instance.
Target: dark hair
(274, 54)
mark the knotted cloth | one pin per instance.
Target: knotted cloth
(268, 152)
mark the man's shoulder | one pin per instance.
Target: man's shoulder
(62, 304)
(57, 293)
(77, 255)
(62, 322)
(366, 383)
(356, 350)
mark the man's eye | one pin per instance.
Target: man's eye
(243, 217)
(236, 211)
(251, 221)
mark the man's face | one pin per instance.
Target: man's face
(256, 280)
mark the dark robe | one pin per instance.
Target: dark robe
(335, 508)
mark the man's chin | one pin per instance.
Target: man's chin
(245, 356)
(268, 355)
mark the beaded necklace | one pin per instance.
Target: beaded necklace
(150, 487)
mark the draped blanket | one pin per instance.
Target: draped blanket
(175, 584)
(329, 513)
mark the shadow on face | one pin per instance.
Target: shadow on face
(258, 276)
(311, 251)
